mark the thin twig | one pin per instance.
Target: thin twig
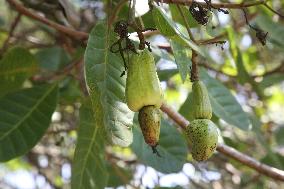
(251, 162)
(272, 10)
(216, 5)
(214, 40)
(186, 24)
(116, 10)
(63, 29)
(131, 12)
(11, 32)
(278, 69)
(65, 71)
(228, 151)
(121, 175)
(194, 74)
(32, 158)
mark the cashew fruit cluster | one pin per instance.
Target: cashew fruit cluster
(202, 132)
(144, 94)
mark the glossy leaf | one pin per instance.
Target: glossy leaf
(106, 87)
(24, 117)
(89, 166)
(118, 176)
(15, 67)
(177, 17)
(186, 109)
(274, 159)
(53, 58)
(275, 30)
(243, 75)
(169, 27)
(271, 80)
(162, 22)
(172, 147)
(69, 90)
(271, 157)
(224, 104)
(182, 58)
(279, 133)
(164, 75)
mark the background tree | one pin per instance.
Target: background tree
(50, 121)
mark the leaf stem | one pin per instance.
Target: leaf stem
(116, 10)
(11, 32)
(63, 29)
(194, 73)
(131, 16)
(186, 24)
(272, 10)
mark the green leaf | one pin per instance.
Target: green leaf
(279, 133)
(162, 22)
(89, 166)
(147, 19)
(16, 66)
(24, 117)
(274, 159)
(186, 109)
(172, 147)
(275, 30)
(2, 21)
(270, 80)
(118, 176)
(69, 90)
(106, 87)
(243, 75)
(178, 18)
(52, 59)
(182, 57)
(168, 28)
(164, 75)
(224, 105)
(271, 158)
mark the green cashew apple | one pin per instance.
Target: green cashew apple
(149, 118)
(142, 83)
(201, 106)
(203, 134)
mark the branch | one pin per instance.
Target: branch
(186, 24)
(194, 73)
(11, 32)
(278, 69)
(213, 40)
(63, 29)
(65, 71)
(228, 151)
(216, 5)
(272, 10)
(116, 10)
(32, 158)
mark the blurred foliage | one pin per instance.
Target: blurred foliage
(50, 130)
